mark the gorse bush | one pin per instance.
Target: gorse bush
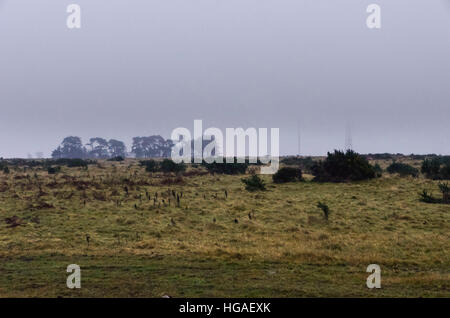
(118, 158)
(305, 164)
(342, 167)
(53, 170)
(287, 174)
(445, 172)
(378, 170)
(402, 169)
(445, 190)
(168, 165)
(72, 163)
(437, 168)
(254, 183)
(226, 168)
(45, 163)
(150, 165)
(431, 167)
(427, 197)
(4, 167)
(381, 156)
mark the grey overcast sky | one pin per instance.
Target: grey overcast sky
(144, 67)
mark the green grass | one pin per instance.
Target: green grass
(286, 249)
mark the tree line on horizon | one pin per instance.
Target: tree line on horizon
(100, 148)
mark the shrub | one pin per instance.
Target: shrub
(437, 168)
(427, 197)
(150, 165)
(226, 168)
(165, 166)
(72, 163)
(444, 173)
(53, 170)
(341, 167)
(5, 170)
(118, 158)
(254, 183)
(402, 169)
(168, 165)
(287, 174)
(325, 209)
(378, 170)
(445, 189)
(305, 164)
(381, 156)
(430, 167)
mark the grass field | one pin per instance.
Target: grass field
(274, 243)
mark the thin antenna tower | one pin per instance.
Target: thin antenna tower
(298, 140)
(348, 138)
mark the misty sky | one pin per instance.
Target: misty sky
(144, 67)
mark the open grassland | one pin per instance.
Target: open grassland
(273, 243)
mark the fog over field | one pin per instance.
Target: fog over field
(139, 68)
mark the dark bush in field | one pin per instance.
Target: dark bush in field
(165, 166)
(342, 167)
(20, 162)
(437, 168)
(402, 169)
(72, 163)
(445, 160)
(3, 164)
(287, 174)
(226, 168)
(53, 170)
(427, 197)
(378, 170)
(150, 165)
(45, 163)
(445, 190)
(431, 167)
(445, 172)
(381, 156)
(305, 164)
(254, 183)
(118, 158)
(325, 209)
(168, 165)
